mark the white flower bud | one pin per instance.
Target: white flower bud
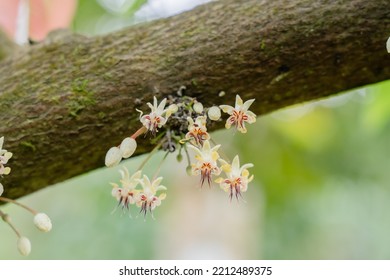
(1, 189)
(6, 218)
(113, 157)
(198, 107)
(128, 147)
(388, 45)
(24, 246)
(214, 113)
(173, 108)
(42, 222)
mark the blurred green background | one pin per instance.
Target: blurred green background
(321, 187)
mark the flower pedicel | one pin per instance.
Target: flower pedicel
(40, 220)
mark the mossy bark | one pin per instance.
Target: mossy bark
(65, 101)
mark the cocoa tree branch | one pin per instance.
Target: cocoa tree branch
(7, 47)
(65, 101)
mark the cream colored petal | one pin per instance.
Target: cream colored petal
(244, 187)
(155, 103)
(1, 189)
(215, 148)
(195, 149)
(206, 147)
(242, 129)
(219, 180)
(144, 121)
(162, 121)
(162, 196)
(146, 181)
(160, 107)
(247, 104)
(236, 163)
(161, 188)
(157, 182)
(214, 156)
(151, 106)
(238, 101)
(227, 168)
(7, 156)
(228, 124)
(1, 142)
(140, 113)
(251, 117)
(136, 175)
(201, 121)
(247, 165)
(227, 109)
(156, 203)
(216, 170)
(7, 171)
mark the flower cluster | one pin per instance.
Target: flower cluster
(181, 122)
(4, 157)
(40, 220)
(144, 197)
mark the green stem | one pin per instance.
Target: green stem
(160, 165)
(150, 155)
(19, 204)
(7, 220)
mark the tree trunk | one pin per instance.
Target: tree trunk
(65, 101)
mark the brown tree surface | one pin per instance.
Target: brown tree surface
(65, 101)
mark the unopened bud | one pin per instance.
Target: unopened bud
(179, 157)
(214, 113)
(1, 189)
(198, 107)
(189, 170)
(24, 246)
(388, 45)
(173, 108)
(6, 218)
(113, 157)
(42, 222)
(127, 147)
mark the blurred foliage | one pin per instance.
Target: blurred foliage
(103, 16)
(321, 189)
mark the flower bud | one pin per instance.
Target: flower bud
(6, 218)
(24, 246)
(198, 107)
(214, 113)
(189, 170)
(179, 157)
(42, 222)
(173, 108)
(1, 189)
(128, 147)
(388, 45)
(113, 157)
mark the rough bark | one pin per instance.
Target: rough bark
(7, 47)
(65, 101)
